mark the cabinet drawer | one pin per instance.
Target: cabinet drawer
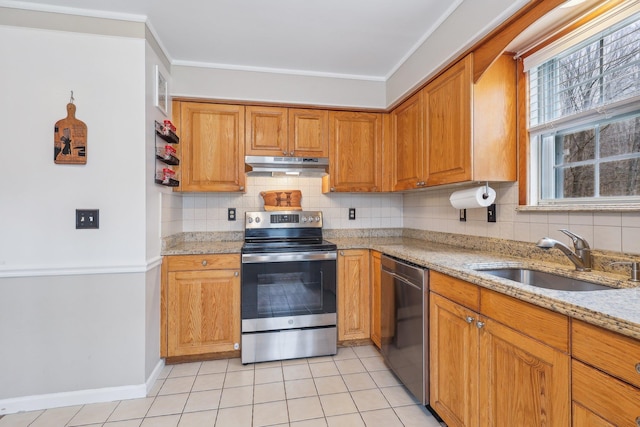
(539, 323)
(203, 262)
(613, 353)
(609, 398)
(456, 290)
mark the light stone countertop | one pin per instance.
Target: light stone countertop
(617, 310)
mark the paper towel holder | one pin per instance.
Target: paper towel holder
(486, 191)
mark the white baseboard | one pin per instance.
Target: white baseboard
(80, 397)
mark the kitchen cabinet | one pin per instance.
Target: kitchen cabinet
(353, 295)
(355, 152)
(275, 131)
(605, 377)
(470, 129)
(200, 305)
(495, 360)
(212, 146)
(376, 282)
(409, 144)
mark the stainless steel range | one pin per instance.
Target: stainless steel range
(288, 287)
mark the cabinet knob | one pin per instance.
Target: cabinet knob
(291, 153)
(236, 274)
(204, 262)
(284, 153)
(638, 421)
(341, 253)
(480, 325)
(332, 189)
(469, 319)
(638, 368)
(242, 188)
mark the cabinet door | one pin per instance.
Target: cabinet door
(203, 312)
(408, 144)
(355, 145)
(212, 140)
(376, 279)
(448, 125)
(308, 132)
(353, 295)
(522, 381)
(266, 131)
(453, 362)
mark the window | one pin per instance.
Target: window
(584, 116)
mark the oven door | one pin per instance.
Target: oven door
(288, 290)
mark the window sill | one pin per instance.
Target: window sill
(627, 207)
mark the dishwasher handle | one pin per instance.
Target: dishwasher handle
(402, 279)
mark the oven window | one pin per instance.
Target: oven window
(282, 289)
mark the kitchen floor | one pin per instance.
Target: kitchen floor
(353, 388)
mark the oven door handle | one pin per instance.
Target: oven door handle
(288, 257)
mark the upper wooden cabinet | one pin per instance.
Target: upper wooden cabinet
(212, 146)
(470, 129)
(408, 159)
(274, 131)
(355, 152)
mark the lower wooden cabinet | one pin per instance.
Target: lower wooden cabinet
(486, 372)
(376, 279)
(354, 320)
(200, 305)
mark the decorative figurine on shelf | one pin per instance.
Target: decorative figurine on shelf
(70, 138)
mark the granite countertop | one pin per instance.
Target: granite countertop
(617, 310)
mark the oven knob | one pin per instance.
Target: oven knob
(249, 220)
(317, 219)
(304, 219)
(257, 219)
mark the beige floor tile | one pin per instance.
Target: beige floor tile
(236, 396)
(130, 409)
(398, 396)
(168, 405)
(203, 401)
(163, 421)
(268, 375)
(318, 422)
(238, 378)
(366, 351)
(165, 372)
(300, 388)
(324, 369)
(320, 359)
(198, 419)
(416, 416)
(381, 418)
(93, 413)
(270, 364)
(156, 388)
(337, 404)
(21, 419)
(304, 408)
(236, 365)
(349, 420)
(54, 416)
(384, 378)
(214, 367)
(330, 385)
(299, 361)
(350, 366)
(345, 353)
(296, 372)
(374, 363)
(208, 382)
(361, 381)
(124, 423)
(369, 400)
(185, 370)
(269, 392)
(266, 414)
(240, 416)
(177, 385)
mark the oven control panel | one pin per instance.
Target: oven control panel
(284, 219)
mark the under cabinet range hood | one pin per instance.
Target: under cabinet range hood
(280, 166)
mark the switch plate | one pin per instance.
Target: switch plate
(491, 213)
(352, 213)
(231, 214)
(87, 218)
(463, 215)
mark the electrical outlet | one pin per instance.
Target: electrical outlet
(87, 218)
(231, 214)
(463, 215)
(352, 213)
(491, 213)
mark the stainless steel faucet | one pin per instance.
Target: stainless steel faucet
(581, 258)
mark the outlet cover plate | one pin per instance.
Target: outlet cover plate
(352, 213)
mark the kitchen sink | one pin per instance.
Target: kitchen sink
(543, 279)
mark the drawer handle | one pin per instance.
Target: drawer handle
(204, 262)
(638, 421)
(638, 370)
(469, 319)
(480, 325)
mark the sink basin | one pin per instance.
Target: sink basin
(543, 279)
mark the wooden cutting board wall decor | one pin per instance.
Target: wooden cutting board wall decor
(70, 139)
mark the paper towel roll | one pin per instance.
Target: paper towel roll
(473, 198)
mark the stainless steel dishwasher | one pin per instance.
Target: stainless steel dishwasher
(404, 324)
